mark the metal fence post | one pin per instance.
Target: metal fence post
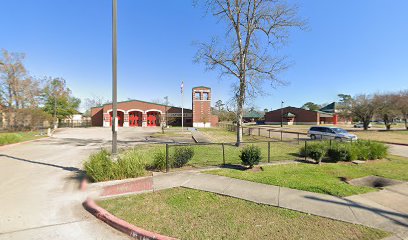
(298, 138)
(281, 136)
(167, 158)
(259, 131)
(305, 150)
(269, 152)
(223, 154)
(269, 133)
(330, 143)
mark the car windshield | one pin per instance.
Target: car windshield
(339, 130)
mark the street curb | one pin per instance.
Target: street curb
(84, 184)
(393, 143)
(121, 225)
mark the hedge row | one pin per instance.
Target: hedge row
(100, 167)
(344, 151)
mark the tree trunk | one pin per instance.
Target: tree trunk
(240, 109)
(239, 126)
(387, 122)
(406, 123)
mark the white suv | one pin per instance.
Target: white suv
(330, 133)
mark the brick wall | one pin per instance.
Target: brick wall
(201, 100)
(99, 113)
(302, 116)
(97, 116)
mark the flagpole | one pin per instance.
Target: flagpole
(182, 107)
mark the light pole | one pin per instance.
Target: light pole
(182, 107)
(114, 82)
(55, 106)
(281, 113)
(166, 99)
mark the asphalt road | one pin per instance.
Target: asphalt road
(39, 196)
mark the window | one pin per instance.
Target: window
(205, 96)
(198, 96)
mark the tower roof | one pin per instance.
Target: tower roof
(202, 87)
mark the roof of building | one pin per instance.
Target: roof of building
(331, 108)
(253, 114)
(202, 87)
(317, 111)
(134, 100)
(289, 114)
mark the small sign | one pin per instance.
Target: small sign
(115, 124)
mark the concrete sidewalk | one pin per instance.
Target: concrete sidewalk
(398, 150)
(373, 209)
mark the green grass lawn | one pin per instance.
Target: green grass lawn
(211, 155)
(400, 136)
(192, 214)
(15, 137)
(324, 178)
(221, 135)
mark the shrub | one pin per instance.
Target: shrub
(377, 150)
(182, 155)
(315, 150)
(251, 155)
(342, 152)
(159, 161)
(130, 164)
(100, 166)
(345, 151)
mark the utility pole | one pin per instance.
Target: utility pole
(282, 114)
(182, 108)
(114, 82)
(54, 83)
(166, 99)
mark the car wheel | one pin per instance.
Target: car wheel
(313, 137)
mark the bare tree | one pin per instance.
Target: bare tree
(93, 101)
(386, 108)
(363, 108)
(402, 105)
(253, 28)
(12, 73)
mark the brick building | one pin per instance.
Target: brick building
(137, 113)
(300, 116)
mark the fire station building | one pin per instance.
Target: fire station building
(137, 113)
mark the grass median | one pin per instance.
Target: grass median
(191, 214)
(326, 178)
(15, 137)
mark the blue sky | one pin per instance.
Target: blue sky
(351, 47)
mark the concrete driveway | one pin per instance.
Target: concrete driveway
(39, 185)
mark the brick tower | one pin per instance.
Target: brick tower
(201, 106)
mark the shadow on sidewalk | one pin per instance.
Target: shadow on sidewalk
(383, 213)
(70, 169)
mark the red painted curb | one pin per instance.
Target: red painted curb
(84, 184)
(121, 225)
(138, 185)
